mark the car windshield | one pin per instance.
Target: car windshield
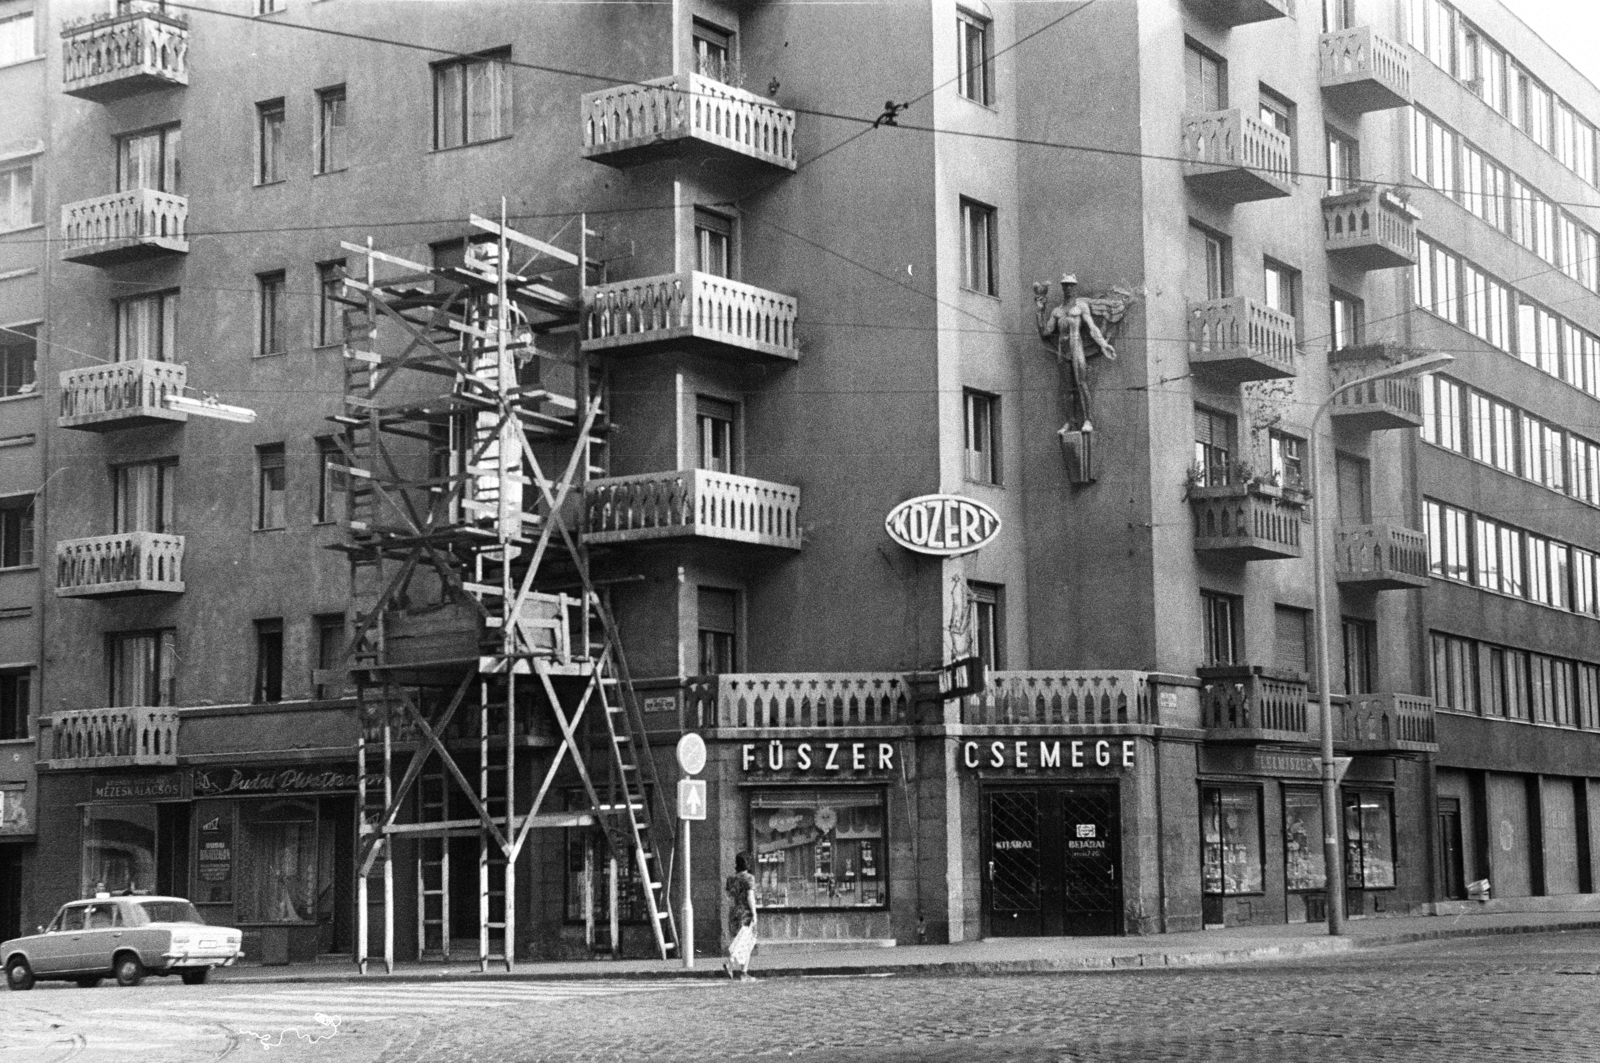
(171, 912)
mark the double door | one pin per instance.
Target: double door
(1052, 861)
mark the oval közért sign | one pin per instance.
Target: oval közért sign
(942, 525)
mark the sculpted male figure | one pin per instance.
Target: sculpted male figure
(1063, 327)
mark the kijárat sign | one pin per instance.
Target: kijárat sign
(942, 525)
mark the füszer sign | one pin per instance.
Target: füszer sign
(942, 525)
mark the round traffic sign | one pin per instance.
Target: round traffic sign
(692, 754)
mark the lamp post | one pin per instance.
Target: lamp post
(1332, 845)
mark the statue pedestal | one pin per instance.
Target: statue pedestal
(1077, 453)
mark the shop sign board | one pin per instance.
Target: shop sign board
(942, 525)
(245, 782)
(214, 856)
(163, 787)
(819, 757)
(1049, 754)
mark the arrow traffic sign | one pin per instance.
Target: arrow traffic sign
(692, 799)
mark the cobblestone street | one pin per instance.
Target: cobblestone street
(1524, 997)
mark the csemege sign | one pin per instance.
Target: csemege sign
(942, 525)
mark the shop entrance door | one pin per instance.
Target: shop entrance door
(1450, 862)
(1051, 861)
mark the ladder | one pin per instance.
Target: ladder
(496, 874)
(433, 867)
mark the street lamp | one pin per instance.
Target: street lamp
(1332, 846)
(210, 407)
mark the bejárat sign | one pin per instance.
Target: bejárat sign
(942, 525)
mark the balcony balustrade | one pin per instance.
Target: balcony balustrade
(110, 738)
(125, 227)
(1252, 703)
(692, 504)
(801, 700)
(124, 55)
(1233, 157)
(104, 398)
(1387, 723)
(689, 309)
(1363, 71)
(685, 114)
(1247, 522)
(1230, 13)
(1061, 698)
(1380, 557)
(1378, 405)
(1369, 229)
(114, 566)
(1235, 340)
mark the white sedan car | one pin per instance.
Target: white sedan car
(123, 938)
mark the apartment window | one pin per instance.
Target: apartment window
(1354, 477)
(149, 160)
(1360, 656)
(719, 630)
(1455, 673)
(1282, 287)
(714, 53)
(142, 666)
(716, 423)
(713, 241)
(1220, 618)
(1213, 446)
(1448, 544)
(471, 100)
(1210, 263)
(330, 481)
(974, 48)
(16, 531)
(1292, 638)
(330, 633)
(18, 357)
(1487, 304)
(1346, 321)
(269, 662)
(1337, 15)
(1344, 162)
(982, 416)
(1205, 79)
(16, 196)
(331, 144)
(978, 247)
(1537, 337)
(1288, 455)
(1493, 432)
(269, 142)
(267, 7)
(986, 622)
(17, 38)
(144, 497)
(330, 311)
(1436, 280)
(271, 307)
(1435, 150)
(1278, 113)
(147, 327)
(16, 697)
(1442, 412)
(270, 482)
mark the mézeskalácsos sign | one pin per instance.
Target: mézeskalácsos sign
(942, 525)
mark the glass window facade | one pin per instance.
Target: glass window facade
(119, 847)
(1369, 839)
(820, 848)
(1230, 831)
(1304, 865)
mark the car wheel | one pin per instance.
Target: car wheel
(87, 983)
(128, 969)
(19, 975)
(196, 975)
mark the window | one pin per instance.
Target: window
(16, 698)
(1220, 615)
(149, 160)
(1282, 288)
(18, 355)
(269, 662)
(974, 77)
(1278, 113)
(330, 311)
(1305, 862)
(330, 147)
(1442, 412)
(716, 423)
(147, 327)
(330, 480)
(119, 850)
(16, 38)
(1448, 556)
(276, 878)
(713, 241)
(471, 101)
(1360, 656)
(982, 416)
(1344, 162)
(978, 247)
(820, 848)
(16, 195)
(1210, 265)
(1213, 447)
(1205, 79)
(1347, 321)
(1369, 840)
(589, 864)
(1493, 432)
(271, 307)
(1337, 15)
(1455, 673)
(1436, 280)
(1288, 455)
(1354, 481)
(144, 497)
(267, 7)
(270, 474)
(1230, 833)
(269, 142)
(16, 531)
(1585, 582)
(714, 53)
(329, 628)
(719, 630)
(1487, 304)
(1292, 638)
(1435, 150)
(141, 667)
(986, 622)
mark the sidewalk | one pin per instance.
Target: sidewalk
(993, 956)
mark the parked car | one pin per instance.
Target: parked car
(123, 937)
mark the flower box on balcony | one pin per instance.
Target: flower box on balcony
(1378, 405)
(1230, 13)
(114, 566)
(103, 398)
(1387, 723)
(1251, 521)
(1363, 71)
(692, 504)
(689, 309)
(1369, 229)
(1235, 340)
(685, 114)
(110, 738)
(124, 55)
(1253, 703)
(1380, 557)
(125, 227)
(1233, 157)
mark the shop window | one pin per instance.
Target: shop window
(1304, 860)
(471, 100)
(277, 853)
(986, 621)
(974, 57)
(819, 848)
(589, 874)
(270, 474)
(717, 425)
(1220, 620)
(1230, 827)
(16, 696)
(16, 531)
(269, 662)
(719, 630)
(149, 160)
(1360, 656)
(1369, 839)
(141, 666)
(119, 848)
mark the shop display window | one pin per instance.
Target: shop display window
(119, 847)
(1230, 821)
(1369, 839)
(277, 854)
(819, 848)
(589, 859)
(1304, 862)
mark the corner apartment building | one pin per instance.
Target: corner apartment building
(802, 325)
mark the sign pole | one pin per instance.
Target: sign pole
(691, 806)
(686, 937)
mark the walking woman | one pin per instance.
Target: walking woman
(741, 891)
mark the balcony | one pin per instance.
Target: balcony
(1380, 557)
(1378, 405)
(799, 700)
(1235, 340)
(693, 504)
(1387, 723)
(1233, 157)
(1252, 703)
(1252, 521)
(1230, 13)
(104, 398)
(124, 55)
(1062, 698)
(110, 738)
(1363, 71)
(125, 227)
(685, 115)
(114, 566)
(1368, 229)
(689, 309)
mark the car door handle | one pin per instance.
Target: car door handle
(116, 933)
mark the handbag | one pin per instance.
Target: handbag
(743, 944)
